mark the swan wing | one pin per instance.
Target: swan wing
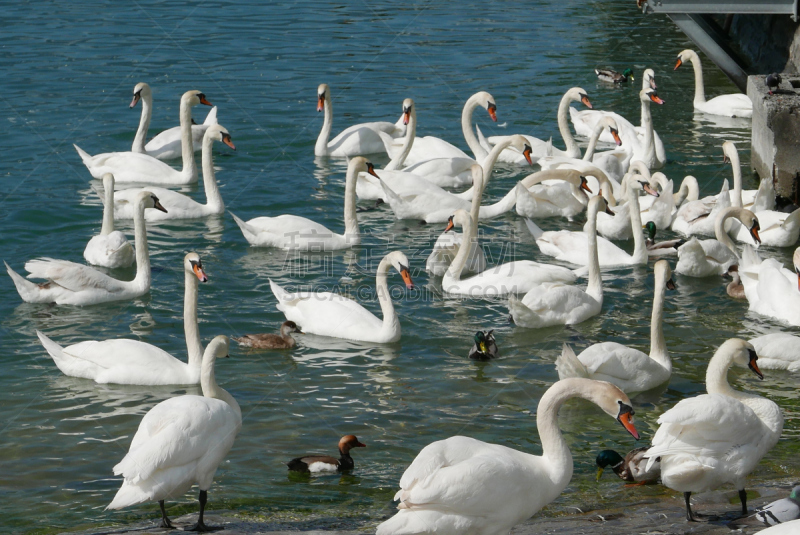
(72, 276)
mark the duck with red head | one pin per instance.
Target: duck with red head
(325, 463)
(272, 341)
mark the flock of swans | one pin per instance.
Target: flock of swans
(703, 442)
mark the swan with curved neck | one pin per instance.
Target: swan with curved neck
(131, 362)
(167, 144)
(771, 289)
(608, 161)
(110, 248)
(69, 283)
(142, 168)
(619, 227)
(716, 438)
(734, 105)
(518, 277)
(556, 304)
(630, 369)
(181, 442)
(704, 258)
(356, 140)
(330, 314)
(463, 485)
(181, 206)
(299, 233)
(566, 197)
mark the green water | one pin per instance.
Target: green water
(68, 75)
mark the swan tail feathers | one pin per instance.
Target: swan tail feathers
(85, 157)
(211, 118)
(128, 495)
(533, 228)
(55, 351)
(568, 364)
(249, 232)
(26, 289)
(284, 298)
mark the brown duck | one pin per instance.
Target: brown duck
(326, 463)
(272, 341)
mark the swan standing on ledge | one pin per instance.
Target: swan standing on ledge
(356, 140)
(131, 362)
(716, 438)
(630, 369)
(167, 144)
(181, 206)
(181, 442)
(295, 232)
(110, 248)
(462, 485)
(330, 314)
(141, 168)
(735, 105)
(69, 283)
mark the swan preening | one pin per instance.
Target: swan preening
(771, 289)
(736, 105)
(463, 485)
(110, 248)
(180, 443)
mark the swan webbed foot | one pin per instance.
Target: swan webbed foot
(743, 499)
(165, 522)
(692, 517)
(200, 526)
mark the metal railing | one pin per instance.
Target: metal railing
(724, 7)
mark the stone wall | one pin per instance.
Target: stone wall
(770, 43)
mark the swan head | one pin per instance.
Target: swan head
(322, 96)
(408, 109)
(217, 132)
(607, 458)
(597, 204)
(218, 348)
(521, 144)
(742, 353)
(650, 95)
(400, 262)
(461, 218)
(288, 327)
(579, 95)
(194, 97)
(149, 200)
(348, 442)
(487, 101)
(359, 164)
(684, 56)
(748, 219)
(729, 152)
(192, 264)
(610, 398)
(643, 185)
(649, 77)
(663, 271)
(611, 124)
(140, 90)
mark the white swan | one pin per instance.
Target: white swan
(330, 314)
(181, 442)
(778, 351)
(688, 192)
(735, 105)
(572, 246)
(110, 248)
(705, 258)
(699, 217)
(295, 232)
(563, 196)
(464, 486)
(517, 277)
(619, 226)
(716, 438)
(131, 362)
(448, 242)
(167, 144)
(630, 369)
(739, 196)
(178, 205)
(542, 148)
(355, 140)
(68, 283)
(437, 205)
(661, 210)
(141, 168)
(553, 303)
(771, 289)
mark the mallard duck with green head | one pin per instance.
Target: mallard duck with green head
(614, 77)
(662, 248)
(485, 347)
(631, 468)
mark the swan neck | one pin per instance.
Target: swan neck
(554, 447)
(191, 330)
(321, 148)
(639, 245)
(649, 141)
(460, 260)
(699, 89)
(491, 158)
(108, 209)
(573, 151)
(719, 230)
(466, 127)
(390, 321)
(595, 287)
(213, 197)
(144, 125)
(187, 148)
(598, 129)
(143, 275)
(351, 231)
(408, 142)
(658, 344)
(208, 382)
(717, 376)
(737, 179)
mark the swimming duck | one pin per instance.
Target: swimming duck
(614, 77)
(326, 463)
(272, 341)
(630, 468)
(662, 248)
(485, 347)
(735, 288)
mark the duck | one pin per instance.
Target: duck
(291, 232)
(485, 347)
(132, 362)
(572, 246)
(662, 248)
(517, 277)
(563, 195)
(613, 77)
(735, 288)
(555, 303)
(438, 490)
(447, 244)
(283, 340)
(716, 438)
(706, 258)
(697, 218)
(68, 283)
(314, 463)
(630, 369)
(778, 351)
(167, 144)
(789, 528)
(355, 140)
(178, 205)
(181, 442)
(110, 248)
(330, 314)
(142, 168)
(770, 288)
(735, 105)
(780, 512)
(630, 468)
